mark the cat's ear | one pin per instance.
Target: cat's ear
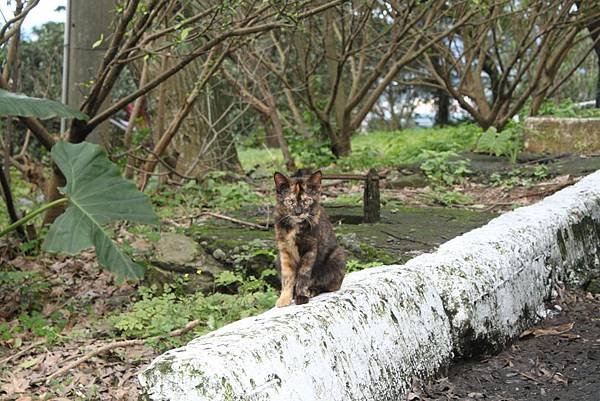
(314, 181)
(281, 181)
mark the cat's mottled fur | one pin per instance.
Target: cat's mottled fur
(310, 260)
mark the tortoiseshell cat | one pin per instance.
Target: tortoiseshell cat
(310, 261)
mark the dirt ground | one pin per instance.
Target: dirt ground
(558, 360)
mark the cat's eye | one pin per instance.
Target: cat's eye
(308, 201)
(289, 202)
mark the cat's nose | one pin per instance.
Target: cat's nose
(297, 210)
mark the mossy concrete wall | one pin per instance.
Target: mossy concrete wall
(562, 135)
(390, 324)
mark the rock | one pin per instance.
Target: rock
(141, 245)
(417, 180)
(179, 255)
(219, 254)
(350, 243)
(562, 134)
(176, 249)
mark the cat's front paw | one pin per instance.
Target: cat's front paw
(283, 301)
(301, 299)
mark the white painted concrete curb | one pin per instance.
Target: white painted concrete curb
(391, 323)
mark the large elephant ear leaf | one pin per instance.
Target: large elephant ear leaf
(97, 195)
(16, 104)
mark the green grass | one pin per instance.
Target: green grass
(381, 149)
(266, 158)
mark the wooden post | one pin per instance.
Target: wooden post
(371, 201)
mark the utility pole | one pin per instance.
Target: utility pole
(87, 33)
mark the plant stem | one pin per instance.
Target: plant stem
(32, 215)
(8, 198)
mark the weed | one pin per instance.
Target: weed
(33, 324)
(156, 313)
(354, 265)
(541, 172)
(374, 149)
(566, 108)
(443, 167)
(507, 142)
(443, 197)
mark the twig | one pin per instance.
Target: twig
(116, 344)
(401, 237)
(547, 191)
(234, 220)
(22, 352)
(167, 165)
(530, 377)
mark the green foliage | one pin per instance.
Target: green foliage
(524, 177)
(508, 142)
(567, 108)
(16, 104)
(42, 52)
(97, 195)
(443, 167)
(216, 191)
(373, 149)
(20, 190)
(444, 197)
(156, 314)
(354, 265)
(253, 255)
(29, 287)
(267, 159)
(393, 148)
(34, 324)
(310, 152)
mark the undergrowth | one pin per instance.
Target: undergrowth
(159, 311)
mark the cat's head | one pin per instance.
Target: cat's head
(297, 198)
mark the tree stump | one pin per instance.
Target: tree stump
(371, 200)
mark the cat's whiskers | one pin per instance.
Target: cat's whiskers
(287, 216)
(310, 220)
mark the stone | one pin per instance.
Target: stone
(178, 255)
(219, 254)
(562, 135)
(174, 248)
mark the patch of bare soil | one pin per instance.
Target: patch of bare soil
(558, 360)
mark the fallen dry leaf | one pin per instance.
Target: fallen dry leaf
(547, 331)
(16, 385)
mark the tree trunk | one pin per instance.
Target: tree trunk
(593, 26)
(442, 116)
(597, 49)
(200, 145)
(278, 129)
(270, 135)
(340, 143)
(536, 103)
(300, 124)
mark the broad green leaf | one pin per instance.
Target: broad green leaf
(16, 104)
(97, 195)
